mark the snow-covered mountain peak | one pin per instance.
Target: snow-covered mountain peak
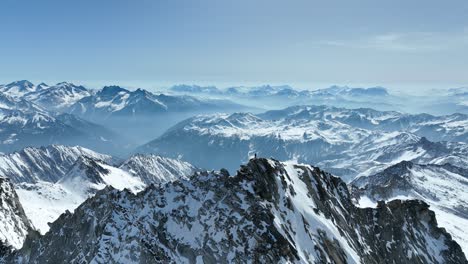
(89, 175)
(85, 170)
(395, 174)
(153, 169)
(44, 163)
(268, 212)
(53, 179)
(59, 96)
(23, 84)
(18, 88)
(111, 90)
(67, 86)
(441, 186)
(42, 85)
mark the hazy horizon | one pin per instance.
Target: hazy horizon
(161, 86)
(417, 43)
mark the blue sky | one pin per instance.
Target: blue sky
(308, 43)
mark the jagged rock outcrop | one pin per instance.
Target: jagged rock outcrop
(269, 212)
(54, 179)
(14, 225)
(443, 187)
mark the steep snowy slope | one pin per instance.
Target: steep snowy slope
(89, 175)
(157, 169)
(14, 225)
(443, 187)
(346, 142)
(51, 180)
(44, 202)
(55, 97)
(48, 164)
(269, 212)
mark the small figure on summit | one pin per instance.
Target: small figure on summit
(255, 157)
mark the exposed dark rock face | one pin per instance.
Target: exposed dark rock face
(269, 212)
(14, 224)
(443, 187)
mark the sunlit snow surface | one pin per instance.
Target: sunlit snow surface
(13, 228)
(290, 212)
(43, 201)
(304, 210)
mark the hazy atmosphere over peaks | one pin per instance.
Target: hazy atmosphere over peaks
(407, 44)
(154, 131)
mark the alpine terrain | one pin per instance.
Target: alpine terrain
(347, 142)
(268, 212)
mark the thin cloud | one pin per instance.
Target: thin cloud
(405, 42)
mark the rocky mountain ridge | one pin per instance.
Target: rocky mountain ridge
(443, 187)
(268, 212)
(50, 180)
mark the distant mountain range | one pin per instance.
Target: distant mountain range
(271, 96)
(447, 101)
(58, 97)
(281, 90)
(348, 142)
(65, 113)
(114, 101)
(24, 124)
